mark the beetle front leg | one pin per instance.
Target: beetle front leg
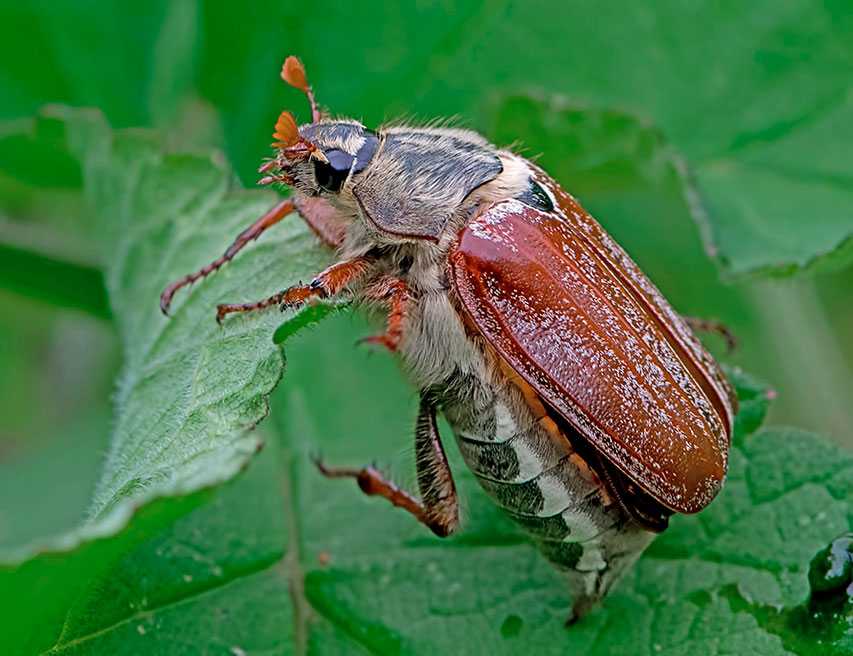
(323, 219)
(318, 213)
(395, 293)
(438, 507)
(330, 282)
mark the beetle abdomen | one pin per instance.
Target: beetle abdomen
(546, 488)
(522, 469)
(519, 455)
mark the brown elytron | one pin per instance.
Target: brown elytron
(574, 316)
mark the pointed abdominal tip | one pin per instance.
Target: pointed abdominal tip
(293, 72)
(286, 133)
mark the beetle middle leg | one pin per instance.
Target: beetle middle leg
(318, 213)
(697, 324)
(394, 292)
(438, 507)
(330, 282)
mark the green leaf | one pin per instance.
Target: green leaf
(29, 505)
(190, 390)
(396, 589)
(34, 274)
(35, 160)
(753, 96)
(65, 70)
(169, 581)
(754, 399)
(284, 560)
(39, 593)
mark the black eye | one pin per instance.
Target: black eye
(535, 196)
(330, 176)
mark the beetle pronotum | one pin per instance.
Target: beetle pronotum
(582, 402)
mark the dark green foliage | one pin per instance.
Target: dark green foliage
(660, 117)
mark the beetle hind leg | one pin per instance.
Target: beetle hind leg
(438, 508)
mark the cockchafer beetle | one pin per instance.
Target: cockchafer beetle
(579, 398)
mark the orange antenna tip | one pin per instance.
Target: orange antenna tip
(293, 72)
(286, 133)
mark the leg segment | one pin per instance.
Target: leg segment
(439, 507)
(698, 324)
(320, 216)
(329, 282)
(395, 293)
(435, 480)
(323, 219)
(273, 216)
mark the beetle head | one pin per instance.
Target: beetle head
(320, 157)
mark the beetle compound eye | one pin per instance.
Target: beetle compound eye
(332, 174)
(535, 196)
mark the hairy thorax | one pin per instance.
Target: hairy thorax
(436, 348)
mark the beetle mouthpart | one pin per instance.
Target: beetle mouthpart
(297, 152)
(277, 171)
(274, 170)
(283, 178)
(280, 179)
(269, 165)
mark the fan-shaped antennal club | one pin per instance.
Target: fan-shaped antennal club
(292, 144)
(286, 132)
(293, 73)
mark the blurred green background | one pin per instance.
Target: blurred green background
(613, 98)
